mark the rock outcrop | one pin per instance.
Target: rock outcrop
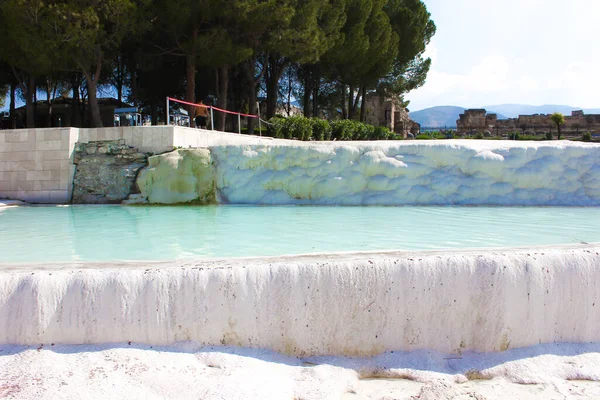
(181, 176)
(106, 171)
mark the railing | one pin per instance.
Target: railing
(212, 110)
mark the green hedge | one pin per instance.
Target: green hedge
(302, 128)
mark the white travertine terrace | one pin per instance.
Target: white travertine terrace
(409, 172)
(358, 305)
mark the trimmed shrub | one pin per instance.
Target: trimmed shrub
(479, 136)
(382, 133)
(514, 136)
(364, 132)
(303, 128)
(343, 129)
(586, 137)
(321, 129)
(297, 128)
(276, 128)
(548, 136)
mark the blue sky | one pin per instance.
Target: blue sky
(512, 51)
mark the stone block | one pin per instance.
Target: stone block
(138, 137)
(20, 166)
(65, 143)
(49, 185)
(24, 185)
(5, 148)
(147, 142)
(39, 175)
(16, 156)
(6, 185)
(57, 165)
(17, 176)
(54, 135)
(49, 145)
(55, 155)
(8, 194)
(39, 196)
(56, 175)
(24, 146)
(128, 136)
(59, 197)
(16, 136)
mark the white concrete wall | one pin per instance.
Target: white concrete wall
(36, 165)
(188, 137)
(147, 139)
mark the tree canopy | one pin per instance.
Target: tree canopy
(558, 119)
(330, 54)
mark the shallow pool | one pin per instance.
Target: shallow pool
(104, 233)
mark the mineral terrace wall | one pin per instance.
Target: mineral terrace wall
(253, 170)
(341, 305)
(402, 173)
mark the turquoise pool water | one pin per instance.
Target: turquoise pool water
(104, 233)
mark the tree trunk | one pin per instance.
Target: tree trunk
(29, 106)
(558, 127)
(49, 100)
(363, 92)
(308, 88)
(120, 78)
(190, 85)
(190, 79)
(75, 106)
(272, 94)
(249, 67)
(13, 117)
(92, 89)
(289, 95)
(94, 106)
(223, 73)
(350, 102)
(120, 91)
(344, 110)
(306, 102)
(315, 98)
(275, 69)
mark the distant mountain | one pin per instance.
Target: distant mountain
(514, 110)
(446, 116)
(439, 117)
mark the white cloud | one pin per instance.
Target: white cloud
(487, 53)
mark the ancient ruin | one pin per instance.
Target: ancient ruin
(382, 111)
(479, 121)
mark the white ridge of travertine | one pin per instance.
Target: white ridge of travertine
(410, 172)
(351, 305)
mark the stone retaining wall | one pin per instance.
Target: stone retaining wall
(36, 165)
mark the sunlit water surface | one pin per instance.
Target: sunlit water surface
(105, 233)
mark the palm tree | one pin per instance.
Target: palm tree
(558, 120)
